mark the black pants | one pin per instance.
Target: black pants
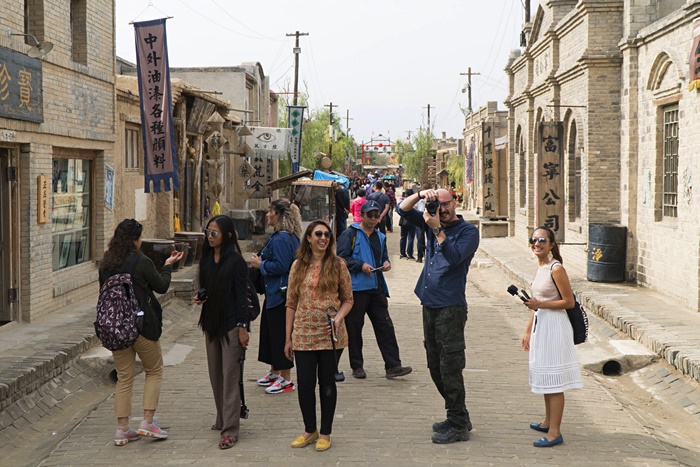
(443, 331)
(309, 364)
(375, 305)
(420, 241)
(408, 235)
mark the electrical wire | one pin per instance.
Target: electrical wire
(218, 24)
(314, 69)
(263, 36)
(500, 45)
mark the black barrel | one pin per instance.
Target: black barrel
(607, 250)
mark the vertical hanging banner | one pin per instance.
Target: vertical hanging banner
(488, 141)
(470, 162)
(550, 180)
(152, 69)
(695, 57)
(295, 117)
(267, 144)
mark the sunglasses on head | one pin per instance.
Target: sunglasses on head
(542, 240)
(372, 215)
(322, 233)
(211, 233)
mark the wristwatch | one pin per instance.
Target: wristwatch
(437, 230)
(242, 325)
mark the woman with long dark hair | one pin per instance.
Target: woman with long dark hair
(274, 262)
(123, 256)
(223, 273)
(549, 337)
(319, 284)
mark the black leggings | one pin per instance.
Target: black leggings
(308, 364)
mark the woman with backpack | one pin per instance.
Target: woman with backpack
(274, 262)
(223, 274)
(123, 256)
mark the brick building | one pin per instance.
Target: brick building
(57, 121)
(602, 125)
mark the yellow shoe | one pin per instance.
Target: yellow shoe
(300, 442)
(323, 445)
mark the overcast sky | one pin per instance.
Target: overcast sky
(383, 60)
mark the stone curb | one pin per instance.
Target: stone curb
(684, 357)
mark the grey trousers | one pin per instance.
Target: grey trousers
(224, 364)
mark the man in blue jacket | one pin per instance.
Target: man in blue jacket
(363, 247)
(441, 288)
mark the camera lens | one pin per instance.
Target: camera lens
(432, 207)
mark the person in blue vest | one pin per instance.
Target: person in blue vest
(363, 247)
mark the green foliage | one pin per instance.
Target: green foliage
(455, 169)
(412, 155)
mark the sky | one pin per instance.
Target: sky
(384, 61)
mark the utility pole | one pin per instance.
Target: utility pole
(430, 130)
(469, 75)
(330, 129)
(297, 51)
(409, 135)
(347, 123)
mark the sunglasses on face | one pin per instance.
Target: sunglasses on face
(372, 215)
(322, 233)
(211, 233)
(542, 240)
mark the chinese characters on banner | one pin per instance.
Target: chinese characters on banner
(267, 144)
(488, 150)
(695, 57)
(470, 162)
(43, 204)
(550, 178)
(295, 117)
(156, 105)
(20, 87)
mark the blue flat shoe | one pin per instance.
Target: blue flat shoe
(536, 426)
(543, 442)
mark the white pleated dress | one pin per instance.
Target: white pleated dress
(554, 366)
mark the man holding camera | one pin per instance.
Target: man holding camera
(451, 245)
(363, 247)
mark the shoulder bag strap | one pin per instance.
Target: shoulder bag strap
(551, 268)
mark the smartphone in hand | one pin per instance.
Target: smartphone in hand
(381, 268)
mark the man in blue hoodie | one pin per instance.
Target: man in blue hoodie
(363, 247)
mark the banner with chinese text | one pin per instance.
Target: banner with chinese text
(267, 144)
(295, 117)
(488, 149)
(470, 163)
(158, 133)
(695, 57)
(549, 182)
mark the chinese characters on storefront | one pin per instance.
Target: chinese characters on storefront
(156, 105)
(550, 178)
(267, 144)
(695, 57)
(488, 151)
(20, 87)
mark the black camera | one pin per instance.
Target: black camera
(432, 207)
(202, 295)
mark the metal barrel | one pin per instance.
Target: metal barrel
(607, 251)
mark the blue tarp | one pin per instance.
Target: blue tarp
(320, 175)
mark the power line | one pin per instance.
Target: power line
(221, 25)
(249, 29)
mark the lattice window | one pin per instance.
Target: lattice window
(131, 149)
(670, 161)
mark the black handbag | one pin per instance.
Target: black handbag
(256, 279)
(577, 317)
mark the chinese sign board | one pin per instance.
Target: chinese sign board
(21, 95)
(488, 151)
(43, 199)
(267, 144)
(156, 105)
(695, 57)
(550, 178)
(296, 120)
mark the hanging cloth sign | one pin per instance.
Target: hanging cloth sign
(160, 155)
(295, 117)
(269, 142)
(470, 162)
(695, 57)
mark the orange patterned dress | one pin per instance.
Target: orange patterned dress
(310, 320)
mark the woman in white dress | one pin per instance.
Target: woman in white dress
(549, 338)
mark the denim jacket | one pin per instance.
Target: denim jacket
(277, 257)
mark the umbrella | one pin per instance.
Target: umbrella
(389, 177)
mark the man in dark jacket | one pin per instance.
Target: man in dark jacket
(452, 243)
(342, 208)
(384, 204)
(363, 248)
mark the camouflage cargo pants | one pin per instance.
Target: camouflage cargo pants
(443, 331)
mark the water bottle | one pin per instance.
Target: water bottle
(139, 320)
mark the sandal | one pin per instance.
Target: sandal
(227, 442)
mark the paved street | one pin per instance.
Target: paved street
(388, 422)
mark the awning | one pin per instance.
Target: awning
(286, 181)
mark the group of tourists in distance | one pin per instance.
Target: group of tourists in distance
(319, 285)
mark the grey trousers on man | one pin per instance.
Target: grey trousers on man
(443, 331)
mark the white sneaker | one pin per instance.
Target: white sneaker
(279, 386)
(268, 379)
